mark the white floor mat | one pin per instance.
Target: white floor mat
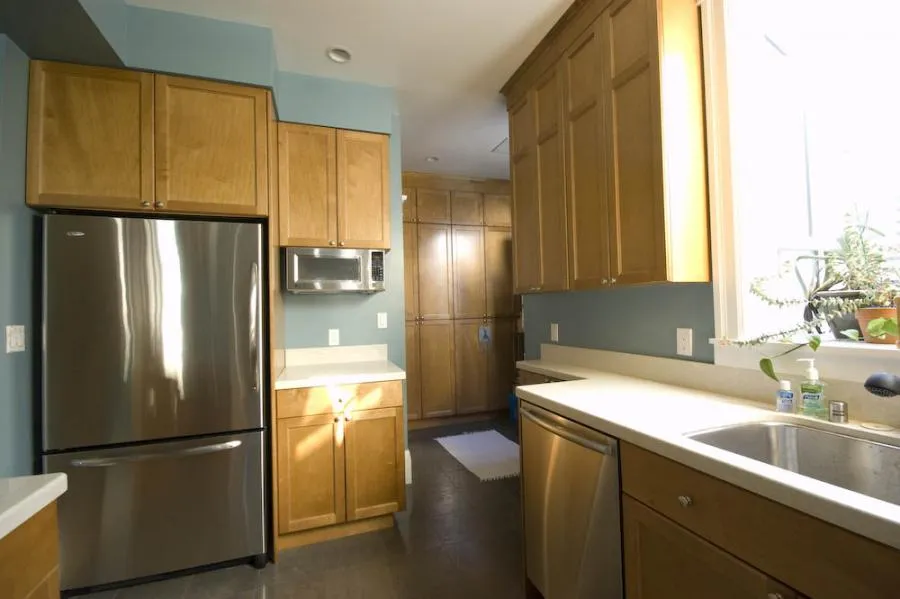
(486, 454)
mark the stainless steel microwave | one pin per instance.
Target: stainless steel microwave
(333, 270)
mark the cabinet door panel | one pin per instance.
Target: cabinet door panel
(363, 190)
(435, 277)
(436, 367)
(471, 367)
(552, 185)
(497, 210)
(211, 147)
(666, 561)
(311, 489)
(413, 373)
(411, 270)
(433, 205)
(587, 182)
(498, 271)
(307, 177)
(467, 208)
(376, 481)
(409, 205)
(501, 362)
(468, 272)
(90, 137)
(526, 200)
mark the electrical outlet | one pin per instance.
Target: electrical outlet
(554, 332)
(15, 338)
(685, 342)
(334, 336)
(382, 320)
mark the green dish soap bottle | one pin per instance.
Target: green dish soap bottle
(812, 392)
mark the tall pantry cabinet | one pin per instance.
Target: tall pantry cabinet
(460, 327)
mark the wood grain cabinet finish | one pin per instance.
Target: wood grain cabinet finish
(433, 205)
(498, 270)
(665, 561)
(311, 483)
(471, 367)
(467, 208)
(363, 190)
(501, 358)
(497, 210)
(468, 272)
(211, 147)
(436, 356)
(435, 272)
(633, 150)
(409, 205)
(307, 180)
(90, 138)
(413, 372)
(411, 270)
(376, 481)
(29, 558)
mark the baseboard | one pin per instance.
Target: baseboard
(408, 468)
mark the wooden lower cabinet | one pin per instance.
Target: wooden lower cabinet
(501, 363)
(310, 472)
(413, 372)
(436, 355)
(470, 362)
(665, 561)
(29, 558)
(376, 481)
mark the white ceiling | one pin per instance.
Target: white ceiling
(445, 59)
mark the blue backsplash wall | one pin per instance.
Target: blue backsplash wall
(15, 263)
(634, 320)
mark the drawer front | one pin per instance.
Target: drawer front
(311, 401)
(816, 558)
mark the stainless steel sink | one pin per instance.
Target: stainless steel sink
(859, 465)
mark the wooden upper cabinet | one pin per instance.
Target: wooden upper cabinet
(409, 205)
(666, 561)
(413, 373)
(90, 137)
(471, 366)
(467, 208)
(307, 177)
(433, 205)
(468, 272)
(497, 210)
(526, 201)
(211, 147)
(552, 183)
(435, 274)
(411, 270)
(376, 479)
(585, 177)
(498, 265)
(311, 483)
(436, 356)
(363, 190)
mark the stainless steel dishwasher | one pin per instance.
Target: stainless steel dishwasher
(570, 494)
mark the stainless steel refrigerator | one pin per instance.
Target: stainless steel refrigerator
(152, 393)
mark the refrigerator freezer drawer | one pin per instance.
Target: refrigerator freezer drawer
(149, 509)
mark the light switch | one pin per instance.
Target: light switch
(685, 341)
(334, 336)
(15, 338)
(382, 320)
(554, 332)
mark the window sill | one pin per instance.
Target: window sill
(836, 360)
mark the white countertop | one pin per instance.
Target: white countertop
(22, 497)
(338, 373)
(656, 416)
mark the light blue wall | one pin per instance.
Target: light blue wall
(635, 320)
(15, 263)
(333, 103)
(111, 18)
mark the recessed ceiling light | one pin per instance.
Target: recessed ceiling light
(432, 159)
(338, 54)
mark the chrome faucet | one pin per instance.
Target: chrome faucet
(883, 384)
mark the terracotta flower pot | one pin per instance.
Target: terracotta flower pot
(866, 315)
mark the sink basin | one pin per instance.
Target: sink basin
(859, 465)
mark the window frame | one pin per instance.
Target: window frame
(849, 361)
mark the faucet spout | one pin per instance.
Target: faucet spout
(883, 384)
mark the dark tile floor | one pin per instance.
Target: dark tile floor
(459, 538)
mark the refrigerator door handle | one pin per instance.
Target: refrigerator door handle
(255, 325)
(193, 451)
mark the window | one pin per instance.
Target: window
(804, 138)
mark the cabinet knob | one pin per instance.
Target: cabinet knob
(341, 244)
(337, 418)
(146, 203)
(613, 280)
(159, 204)
(775, 596)
(604, 281)
(347, 417)
(685, 500)
(331, 243)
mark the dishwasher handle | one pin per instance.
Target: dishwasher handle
(566, 434)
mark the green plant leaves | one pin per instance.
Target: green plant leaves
(882, 327)
(768, 368)
(852, 334)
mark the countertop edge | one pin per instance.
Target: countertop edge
(786, 488)
(32, 503)
(348, 379)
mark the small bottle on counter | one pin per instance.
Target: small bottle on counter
(784, 400)
(812, 392)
